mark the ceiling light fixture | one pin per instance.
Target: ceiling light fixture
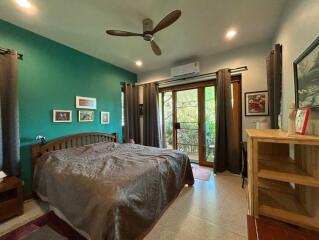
(139, 63)
(24, 3)
(231, 34)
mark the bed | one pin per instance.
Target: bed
(107, 190)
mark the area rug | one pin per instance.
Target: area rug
(201, 173)
(47, 227)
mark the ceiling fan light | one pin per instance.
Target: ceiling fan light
(231, 34)
(139, 63)
(24, 3)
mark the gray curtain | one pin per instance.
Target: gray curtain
(274, 80)
(227, 152)
(131, 129)
(151, 122)
(9, 115)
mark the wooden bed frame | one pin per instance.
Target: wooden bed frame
(70, 141)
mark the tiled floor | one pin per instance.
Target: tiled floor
(214, 209)
(209, 210)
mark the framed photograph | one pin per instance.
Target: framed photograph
(85, 102)
(105, 117)
(62, 116)
(86, 116)
(306, 75)
(256, 103)
(302, 117)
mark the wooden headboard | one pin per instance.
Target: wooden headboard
(70, 141)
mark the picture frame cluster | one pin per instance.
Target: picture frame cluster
(86, 113)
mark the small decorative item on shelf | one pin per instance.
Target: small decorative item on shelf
(292, 120)
(280, 121)
(302, 117)
(262, 123)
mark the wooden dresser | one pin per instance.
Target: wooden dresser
(283, 177)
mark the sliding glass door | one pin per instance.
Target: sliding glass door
(186, 124)
(189, 119)
(210, 123)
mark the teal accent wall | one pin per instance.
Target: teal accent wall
(50, 76)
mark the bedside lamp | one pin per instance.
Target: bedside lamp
(41, 138)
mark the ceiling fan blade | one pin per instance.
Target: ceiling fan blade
(122, 33)
(156, 48)
(168, 20)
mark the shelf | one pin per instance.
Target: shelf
(284, 207)
(284, 169)
(282, 187)
(272, 135)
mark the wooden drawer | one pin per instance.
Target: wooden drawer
(10, 208)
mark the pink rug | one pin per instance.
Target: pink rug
(201, 173)
(50, 220)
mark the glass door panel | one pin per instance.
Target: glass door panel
(187, 123)
(210, 123)
(167, 119)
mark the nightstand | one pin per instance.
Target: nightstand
(11, 198)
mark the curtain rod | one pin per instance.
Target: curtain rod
(6, 51)
(212, 74)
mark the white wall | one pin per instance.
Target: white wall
(253, 56)
(299, 27)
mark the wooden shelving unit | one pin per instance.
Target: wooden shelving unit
(286, 171)
(283, 177)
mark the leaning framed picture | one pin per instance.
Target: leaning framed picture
(62, 116)
(256, 103)
(85, 102)
(105, 117)
(86, 116)
(302, 117)
(306, 75)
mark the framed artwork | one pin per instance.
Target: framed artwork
(302, 117)
(105, 117)
(62, 116)
(86, 116)
(306, 75)
(256, 103)
(85, 102)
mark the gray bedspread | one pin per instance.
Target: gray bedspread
(109, 190)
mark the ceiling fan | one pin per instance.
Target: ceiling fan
(149, 31)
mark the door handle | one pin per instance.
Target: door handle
(177, 125)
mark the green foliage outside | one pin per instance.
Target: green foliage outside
(187, 116)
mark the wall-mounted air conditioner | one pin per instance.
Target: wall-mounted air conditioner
(189, 69)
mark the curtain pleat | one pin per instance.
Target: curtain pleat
(131, 129)
(274, 81)
(9, 117)
(227, 152)
(151, 122)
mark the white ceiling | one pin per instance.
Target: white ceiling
(200, 31)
